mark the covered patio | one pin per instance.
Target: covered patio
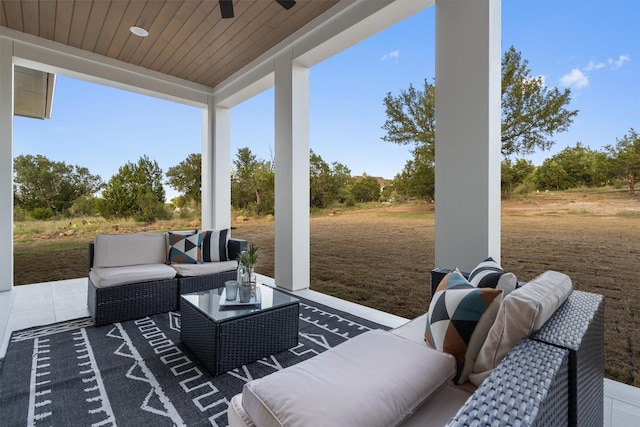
(215, 64)
(193, 56)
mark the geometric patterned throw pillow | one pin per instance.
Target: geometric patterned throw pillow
(489, 274)
(459, 319)
(185, 248)
(214, 246)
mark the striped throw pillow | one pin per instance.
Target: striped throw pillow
(489, 274)
(214, 246)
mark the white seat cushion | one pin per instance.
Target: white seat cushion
(374, 379)
(186, 270)
(440, 408)
(113, 276)
(236, 415)
(413, 330)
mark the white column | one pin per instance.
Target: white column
(291, 173)
(6, 164)
(216, 166)
(468, 82)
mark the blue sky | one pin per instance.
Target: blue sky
(590, 46)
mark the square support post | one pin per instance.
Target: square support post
(468, 139)
(6, 164)
(216, 166)
(292, 260)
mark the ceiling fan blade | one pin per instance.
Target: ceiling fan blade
(287, 4)
(226, 8)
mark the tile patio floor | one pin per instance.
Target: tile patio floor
(50, 302)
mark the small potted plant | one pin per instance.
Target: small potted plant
(249, 258)
(246, 273)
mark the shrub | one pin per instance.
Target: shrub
(85, 206)
(527, 187)
(42, 214)
(19, 214)
(150, 209)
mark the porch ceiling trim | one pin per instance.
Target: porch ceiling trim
(338, 29)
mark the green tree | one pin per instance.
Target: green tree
(417, 179)
(532, 114)
(186, 177)
(366, 189)
(551, 176)
(625, 159)
(584, 166)
(135, 191)
(514, 174)
(42, 183)
(252, 183)
(411, 118)
(327, 183)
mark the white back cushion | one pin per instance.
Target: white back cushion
(120, 250)
(522, 313)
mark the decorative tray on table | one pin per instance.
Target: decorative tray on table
(255, 300)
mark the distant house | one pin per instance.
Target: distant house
(382, 181)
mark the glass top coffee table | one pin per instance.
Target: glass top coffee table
(223, 338)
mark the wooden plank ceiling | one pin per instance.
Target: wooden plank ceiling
(187, 38)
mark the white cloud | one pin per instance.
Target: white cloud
(594, 66)
(617, 63)
(575, 78)
(391, 55)
(578, 77)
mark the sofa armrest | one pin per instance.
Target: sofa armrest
(235, 247)
(528, 388)
(578, 326)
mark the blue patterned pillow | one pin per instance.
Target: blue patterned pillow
(185, 248)
(459, 318)
(489, 274)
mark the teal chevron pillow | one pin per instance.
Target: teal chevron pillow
(459, 318)
(185, 248)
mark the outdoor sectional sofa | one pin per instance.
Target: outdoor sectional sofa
(138, 274)
(553, 376)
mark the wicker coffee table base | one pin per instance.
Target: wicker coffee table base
(222, 346)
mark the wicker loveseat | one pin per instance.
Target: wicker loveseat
(571, 395)
(132, 276)
(553, 377)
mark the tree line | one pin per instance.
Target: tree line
(46, 189)
(575, 167)
(532, 113)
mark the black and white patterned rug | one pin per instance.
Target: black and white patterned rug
(138, 373)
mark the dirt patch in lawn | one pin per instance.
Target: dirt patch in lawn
(382, 258)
